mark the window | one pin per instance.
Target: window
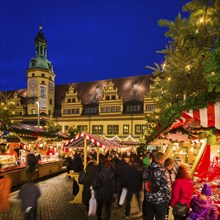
(113, 97)
(65, 111)
(153, 107)
(51, 102)
(42, 82)
(81, 128)
(107, 97)
(148, 107)
(33, 74)
(73, 111)
(42, 74)
(107, 109)
(118, 108)
(33, 111)
(125, 129)
(68, 100)
(73, 100)
(69, 111)
(90, 110)
(97, 129)
(102, 109)
(133, 108)
(20, 113)
(113, 109)
(138, 129)
(77, 111)
(113, 129)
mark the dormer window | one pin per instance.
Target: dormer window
(113, 97)
(107, 97)
(33, 62)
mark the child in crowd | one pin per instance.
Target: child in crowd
(202, 205)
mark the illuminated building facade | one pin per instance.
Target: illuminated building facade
(110, 107)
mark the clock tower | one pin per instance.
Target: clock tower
(40, 80)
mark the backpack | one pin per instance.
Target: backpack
(149, 180)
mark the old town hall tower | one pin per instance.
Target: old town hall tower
(40, 80)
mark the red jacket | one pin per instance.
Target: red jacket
(182, 191)
(5, 188)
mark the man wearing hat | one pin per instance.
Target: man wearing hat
(202, 205)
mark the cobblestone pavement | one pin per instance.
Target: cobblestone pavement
(53, 204)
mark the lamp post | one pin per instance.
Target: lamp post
(38, 114)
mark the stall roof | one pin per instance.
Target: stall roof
(28, 127)
(78, 141)
(207, 117)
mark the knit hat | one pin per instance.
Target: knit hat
(206, 190)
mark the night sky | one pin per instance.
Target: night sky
(87, 40)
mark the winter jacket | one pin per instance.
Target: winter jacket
(134, 181)
(77, 164)
(122, 173)
(5, 188)
(200, 203)
(182, 191)
(91, 170)
(29, 195)
(163, 180)
(104, 184)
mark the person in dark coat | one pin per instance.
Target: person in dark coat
(104, 185)
(77, 164)
(68, 164)
(133, 186)
(29, 195)
(90, 172)
(122, 174)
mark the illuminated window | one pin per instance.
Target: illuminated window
(125, 129)
(138, 129)
(81, 128)
(97, 129)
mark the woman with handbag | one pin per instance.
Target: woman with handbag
(182, 191)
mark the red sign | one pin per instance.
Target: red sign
(218, 139)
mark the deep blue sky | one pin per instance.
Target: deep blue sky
(87, 40)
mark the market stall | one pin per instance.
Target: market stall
(13, 154)
(84, 139)
(206, 166)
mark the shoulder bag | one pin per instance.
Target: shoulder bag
(180, 210)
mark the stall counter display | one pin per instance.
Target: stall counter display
(7, 161)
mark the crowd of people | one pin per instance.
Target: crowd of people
(175, 187)
(162, 181)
